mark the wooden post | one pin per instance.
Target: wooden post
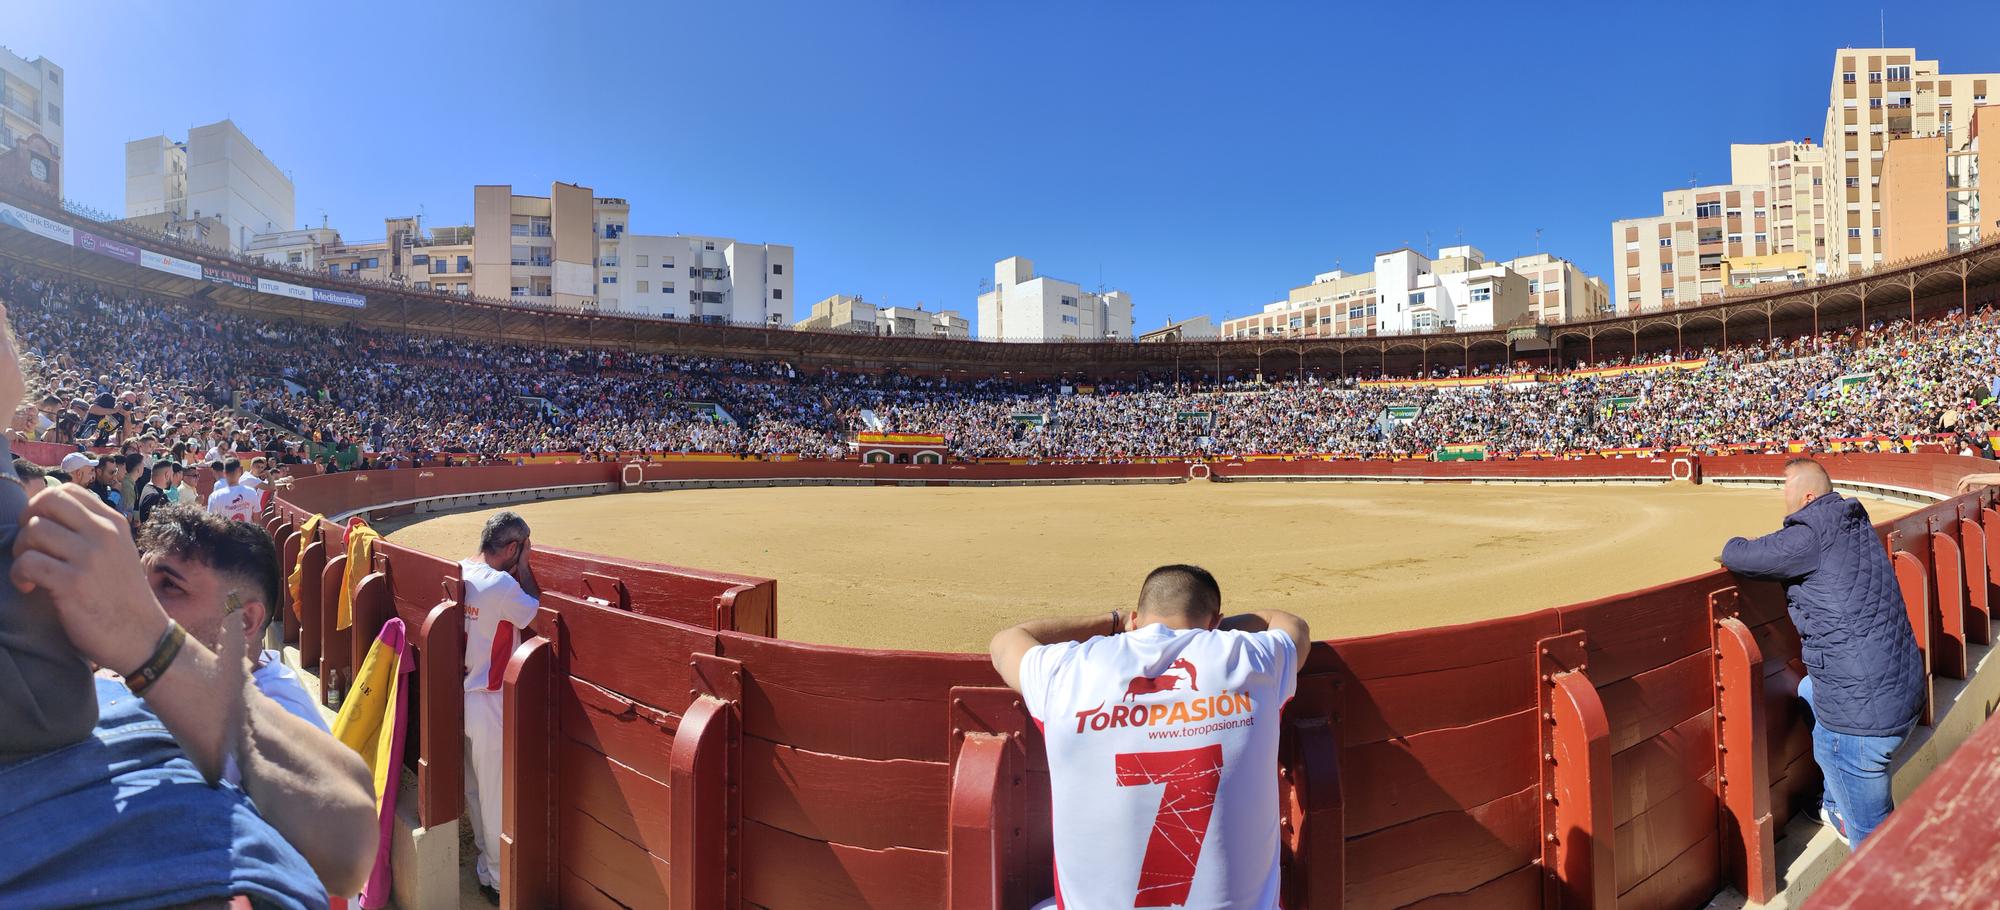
(1978, 579)
(988, 752)
(1742, 753)
(1948, 579)
(1578, 837)
(441, 675)
(1915, 585)
(288, 539)
(529, 768)
(373, 606)
(705, 772)
(333, 643)
(307, 604)
(1314, 836)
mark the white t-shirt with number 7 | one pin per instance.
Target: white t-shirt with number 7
(1163, 765)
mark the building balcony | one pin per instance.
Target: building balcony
(14, 103)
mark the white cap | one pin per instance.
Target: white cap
(77, 461)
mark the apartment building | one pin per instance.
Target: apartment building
(1679, 258)
(1024, 306)
(1197, 328)
(1794, 171)
(408, 254)
(1410, 293)
(1932, 191)
(31, 105)
(1879, 96)
(697, 278)
(216, 173)
(543, 249)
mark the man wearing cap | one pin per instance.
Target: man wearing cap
(81, 468)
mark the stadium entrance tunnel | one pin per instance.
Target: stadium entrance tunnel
(662, 749)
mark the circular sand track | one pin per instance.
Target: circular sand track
(943, 568)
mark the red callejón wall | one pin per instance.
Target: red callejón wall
(663, 750)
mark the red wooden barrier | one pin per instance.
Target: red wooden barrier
(334, 643)
(529, 767)
(441, 718)
(288, 540)
(989, 732)
(311, 566)
(1915, 583)
(1577, 830)
(1743, 776)
(1948, 581)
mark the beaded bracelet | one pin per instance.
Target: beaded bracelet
(164, 653)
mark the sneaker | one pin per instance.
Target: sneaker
(491, 894)
(1838, 824)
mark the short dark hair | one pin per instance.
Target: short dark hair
(230, 547)
(500, 530)
(215, 466)
(1813, 469)
(232, 465)
(1180, 590)
(160, 467)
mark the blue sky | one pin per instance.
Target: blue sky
(1204, 156)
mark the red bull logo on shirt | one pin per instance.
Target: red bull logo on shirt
(1164, 714)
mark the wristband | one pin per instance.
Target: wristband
(164, 653)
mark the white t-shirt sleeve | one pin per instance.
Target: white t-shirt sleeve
(514, 605)
(1273, 652)
(1039, 669)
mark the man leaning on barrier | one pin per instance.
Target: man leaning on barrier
(1864, 675)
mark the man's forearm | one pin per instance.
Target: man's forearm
(1071, 628)
(315, 791)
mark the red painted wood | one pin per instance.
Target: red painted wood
(530, 771)
(1912, 578)
(786, 872)
(1936, 849)
(640, 657)
(1313, 812)
(1631, 633)
(288, 539)
(1445, 853)
(1439, 771)
(441, 718)
(707, 823)
(334, 643)
(1978, 583)
(634, 806)
(308, 603)
(1747, 831)
(1583, 857)
(979, 820)
(851, 801)
(1688, 881)
(1653, 840)
(1662, 767)
(1519, 888)
(576, 894)
(843, 701)
(612, 725)
(1657, 700)
(1948, 582)
(372, 608)
(619, 868)
(1431, 679)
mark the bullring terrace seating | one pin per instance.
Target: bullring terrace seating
(663, 750)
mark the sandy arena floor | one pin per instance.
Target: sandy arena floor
(942, 568)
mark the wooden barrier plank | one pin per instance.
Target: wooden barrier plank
(1978, 582)
(1948, 583)
(1446, 852)
(308, 603)
(1382, 708)
(621, 869)
(600, 720)
(1688, 881)
(1312, 808)
(640, 657)
(1743, 778)
(842, 701)
(1519, 888)
(441, 720)
(289, 541)
(1651, 841)
(1631, 633)
(334, 643)
(1913, 579)
(1658, 768)
(1439, 771)
(632, 805)
(529, 771)
(1574, 757)
(577, 894)
(707, 821)
(373, 607)
(982, 817)
(1650, 703)
(852, 801)
(783, 871)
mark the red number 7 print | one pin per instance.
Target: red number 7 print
(1191, 777)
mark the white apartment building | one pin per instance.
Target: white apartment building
(300, 249)
(1024, 306)
(31, 104)
(699, 279)
(1878, 95)
(217, 173)
(1410, 293)
(846, 313)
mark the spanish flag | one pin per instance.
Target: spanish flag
(371, 723)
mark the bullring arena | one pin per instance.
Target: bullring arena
(943, 569)
(1613, 723)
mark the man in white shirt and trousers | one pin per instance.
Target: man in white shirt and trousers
(501, 598)
(1161, 725)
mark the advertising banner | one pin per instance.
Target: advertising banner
(284, 289)
(339, 298)
(36, 224)
(161, 262)
(225, 276)
(105, 246)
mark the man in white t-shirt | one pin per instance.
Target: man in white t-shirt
(1161, 726)
(501, 598)
(231, 500)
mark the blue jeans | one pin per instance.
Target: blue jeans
(1856, 769)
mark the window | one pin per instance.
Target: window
(1736, 238)
(464, 265)
(1666, 242)
(1762, 238)
(1878, 232)
(423, 285)
(1071, 320)
(1666, 292)
(708, 245)
(420, 259)
(645, 287)
(1666, 267)
(1847, 78)
(461, 287)
(1417, 299)
(1708, 210)
(333, 270)
(1631, 245)
(1356, 311)
(1875, 77)
(666, 287)
(1482, 295)
(642, 260)
(1853, 183)
(438, 266)
(1069, 301)
(55, 113)
(777, 293)
(1534, 285)
(666, 262)
(295, 258)
(611, 279)
(1854, 233)
(1874, 104)
(777, 268)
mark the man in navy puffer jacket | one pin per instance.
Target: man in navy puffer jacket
(1864, 675)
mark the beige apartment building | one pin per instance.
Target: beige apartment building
(844, 313)
(1879, 96)
(31, 106)
(542, 248)
(1679, 257)
(1408, 292)
(439, 258)
(1795, 173)
(1932, 197)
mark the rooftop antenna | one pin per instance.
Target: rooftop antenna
(1538, 240)
(1882, 22)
